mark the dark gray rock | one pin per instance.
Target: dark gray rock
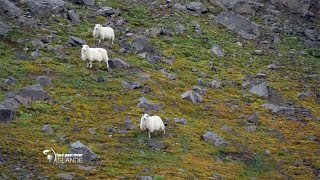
(107, 11)
(217, 176)
(44, 80)
(119, 108)
(92, 131)
(66, 176)
(100, 79)
(79, 148)
(199, 89)
(215, 139)
(8, 8)
(307, 94)
(235, 22)
(280, 109)
(156, 31)
(141, 45)
(180, 121)
(128, 124)
(47, 129)
(45, 7)
(216, 84)
(35, 54)
(10, 80)
(192, 96)
(157, 145)
(35, 92)
(4, 29)
(118, 63)
(197, 7)
(130, 85)
(260, 89)
(260, 75)
(250, 128)
(180, 28)
(22, 56)
(73, 16)
(200, 82)
(145, 104)
(146, 89)
(180, 7)
(120, 22)
(217, 51)
(10, 102)
(85, 2)
(311, 34)
(145, 178)
(75, 41)
(169, 60)
(13, 100)
(253, 119)
(6, 113)
(38, 44)
(28, 21)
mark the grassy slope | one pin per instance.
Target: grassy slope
(186, 156)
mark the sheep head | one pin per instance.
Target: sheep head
(97, 27)
(143, 119)
(85, 47)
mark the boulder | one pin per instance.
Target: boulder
(107, 11)
(192, 96)
(73, 16)
(8, 8)
(215, 139)
(45, 7)
(75, 41)
(142, 45)
(180, 121)
(4, 29)
(118, 63)
(239, 24)
(145, 104)
(217, 51)
(197, 7)
(130, 85)
(35, 92)
(6, 113)
(84, 2)
(260, 89)
(47, 129)
(79, 148)
(44, 80)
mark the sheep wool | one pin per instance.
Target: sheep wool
(151, 124)
(94, 54)
(103, 33)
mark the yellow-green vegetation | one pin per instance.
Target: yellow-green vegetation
(84, 103)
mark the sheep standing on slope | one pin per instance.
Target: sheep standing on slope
(103, 33)
(94, 54)
(151, 124)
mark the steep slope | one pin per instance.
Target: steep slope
(264, 101)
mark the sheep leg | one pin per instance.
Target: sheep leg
(87, 64)
(90, 64)
(149, 136)
(164, 131)
(99, 40)
(107, 64)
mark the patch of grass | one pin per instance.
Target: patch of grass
(158, 177)
(282, 153)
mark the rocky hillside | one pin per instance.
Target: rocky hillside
(235, 82)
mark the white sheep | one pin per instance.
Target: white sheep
(94, 54)
(103, 33)
(151, 124)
